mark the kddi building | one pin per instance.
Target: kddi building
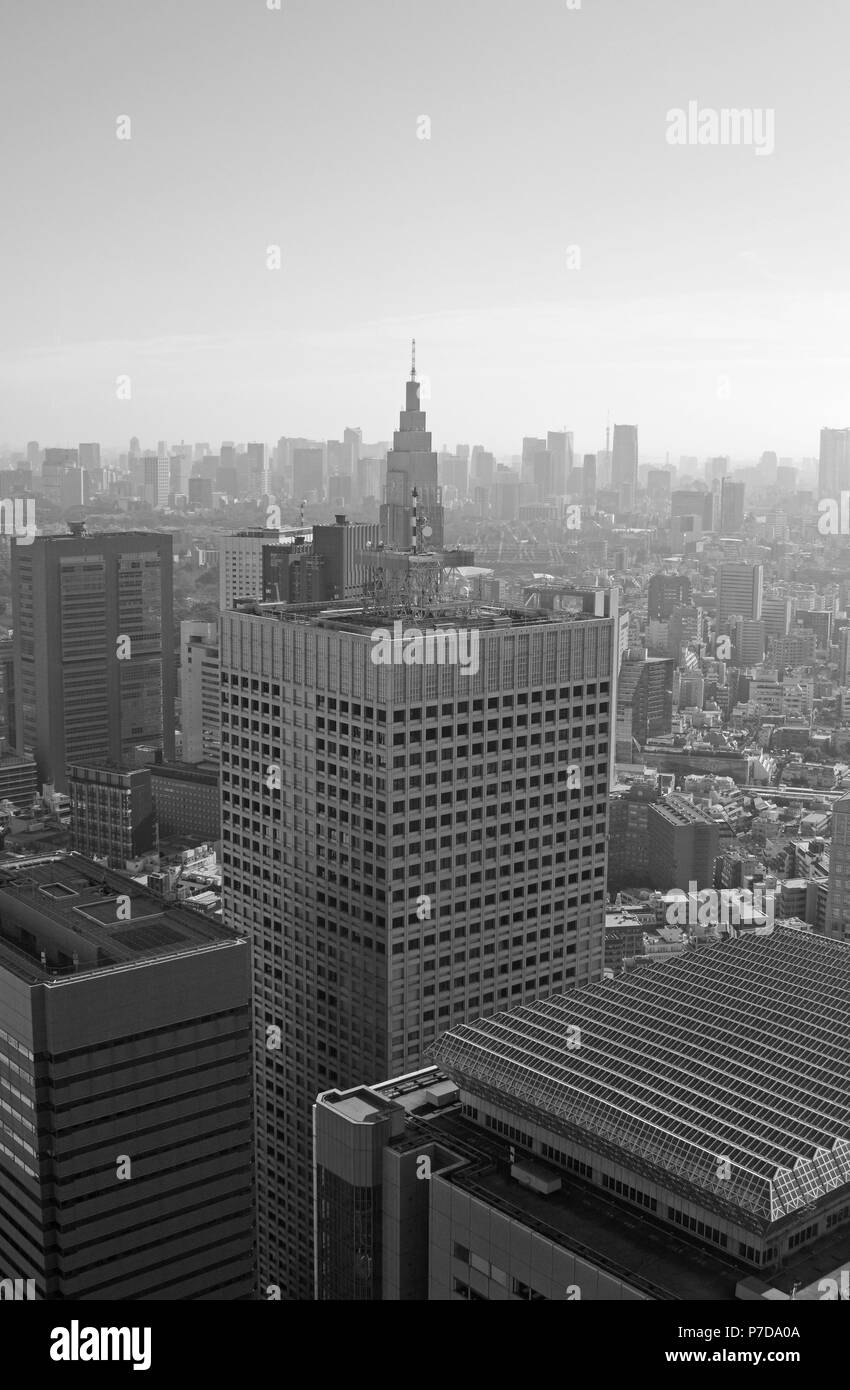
(414, 814)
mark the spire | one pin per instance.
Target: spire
(413, 360)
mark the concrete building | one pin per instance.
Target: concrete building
(732, 495)
(200, 691)
(94, 652)
(240, 573)
(838, 900)
(576, 1150)
(406, 845)
(125, 1078)
(112, 813)
(186, 799)
(739, 593)
(624, 464)
(683, 844)
(665, 592)
(833, 463)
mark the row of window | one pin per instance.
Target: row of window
(565, 1160)
(691, 1223)
(510, 1131)
(632, 1194)
(15, 1045)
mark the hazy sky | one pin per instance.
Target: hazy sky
(254, 127)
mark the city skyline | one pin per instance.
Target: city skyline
(614, 274)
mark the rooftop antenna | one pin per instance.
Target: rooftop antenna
(413, 360)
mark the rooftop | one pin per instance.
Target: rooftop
(82, 924)
(739, 1050)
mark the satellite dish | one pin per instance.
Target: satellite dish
(427, 531)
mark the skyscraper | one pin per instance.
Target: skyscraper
(731, 506)
(844, 656)
(406, 845)
(125, 1076)
(94, 648)
(412, 465)
(200, 691)
(834, 462)
(624, 464)
(739, 591)
(157, 479)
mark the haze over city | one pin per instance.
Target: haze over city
(301, 129)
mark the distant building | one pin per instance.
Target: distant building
(838, 900)
(624, 464)
(732, 496)
(665, 591)
(94, 650)
(833, 463)
(200, 691)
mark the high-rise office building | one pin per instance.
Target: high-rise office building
(624, 464)
(412, 467)
(644, 703)
(406, 845)
(577, 1149)
(157, 479)
(200, 691)
(838, 898)
(731, 506)
(739, 592)
(125, 1075)
(834, 463)
(94, 648)
(844, 656)
(715, 469)
(112, 813)
(89, 455)
(559, 444)
(308, 475)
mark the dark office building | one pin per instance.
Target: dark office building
(628, 836)
(94, 648)
(665, 592)
(683, 845)
(665, 1136)
(406, 845)
(125, 1082)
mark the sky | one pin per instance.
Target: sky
(557, 259)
